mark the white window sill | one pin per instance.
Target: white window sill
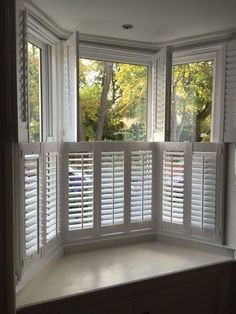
(88, 271)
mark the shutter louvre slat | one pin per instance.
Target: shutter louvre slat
(31, 204)
(203, 208)
(173, 187)
(80, 190)
(112, 188)
(141, 186)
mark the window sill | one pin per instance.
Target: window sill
(86, 272)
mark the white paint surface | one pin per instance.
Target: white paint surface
(230, 195)
(153, 20)
(92, 270)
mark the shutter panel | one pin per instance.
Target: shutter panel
(80, 191)
(173, 187)
(204, 191)
(230, 93)
(162, 95)
(112, 188)
(141, 186)
(71, 75)
(22, 75)
(31, 204)
(51, 195)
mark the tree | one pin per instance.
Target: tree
(113, 99)
(192, 100)
(106, 80)
(34, 92)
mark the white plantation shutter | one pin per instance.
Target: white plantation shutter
(31, 204)
(162, 95)
(173, 187)
(205, 191)
(112, 188)
(80, 191)
(230, 93)
(22, 74)
(141, 186)
(51, 195)
(71, 74)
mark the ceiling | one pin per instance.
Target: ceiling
(154, 20)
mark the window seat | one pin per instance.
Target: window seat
(86, 272)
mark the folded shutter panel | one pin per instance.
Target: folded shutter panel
(230, 93)
(162, 95)
(80, 191)
(205, 201)
(31, 204)
(51, 195)
(22, 74)
(112, 188)
(141, 186)
(73, 121)
(173, 186)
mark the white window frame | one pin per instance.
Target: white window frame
(96, 52)
(51, 135)
(216, 53)
(47, 42)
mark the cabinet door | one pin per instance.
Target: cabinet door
(117, 307)
(195, 297)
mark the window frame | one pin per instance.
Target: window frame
(47, 42)
(51, 134)
(96, 52)
(216, 53)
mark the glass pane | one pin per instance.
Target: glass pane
(34, 77)
(113, 98)
(191, 107)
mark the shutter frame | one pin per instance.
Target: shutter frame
(71, 86)
(142, 175)
(213, 153)
(182, 154)
(32, 150)
(162, 77)
(116, 149)
(77, 148)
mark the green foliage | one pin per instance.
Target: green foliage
(126, 101)
(34, 69)
(192, 100)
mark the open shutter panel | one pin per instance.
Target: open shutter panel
(205, 190)
(141, 186)
(51, 195)
(71, 81)
(31, 204)
(173, 187)
(230, 93)
(112, 188)
(22, 77)
(162, 95)
(80, 190)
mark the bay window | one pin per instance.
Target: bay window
(97, 162)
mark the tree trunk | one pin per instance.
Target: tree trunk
(80, 127)
(174, 116)
(199, 118)
(180, 127)
(108, 69)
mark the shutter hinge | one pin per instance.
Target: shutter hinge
(22, 263)
(21, 154)
(218, 234)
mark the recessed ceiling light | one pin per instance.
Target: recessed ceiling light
(127, 26)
